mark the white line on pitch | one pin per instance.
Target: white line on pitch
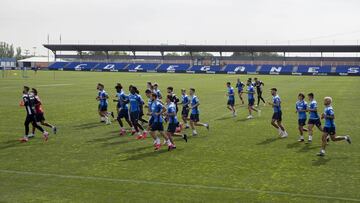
(179, 185)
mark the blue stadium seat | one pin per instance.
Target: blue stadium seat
(348, 69)
(86, 66)
(240, 68)
(173, 67)
(110, 66)
(313, 69)
(205, 68)
(142, 66)
(266, 69)
(58, 65)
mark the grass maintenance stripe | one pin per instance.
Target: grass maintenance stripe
(53, 85)
(178, 185)
(49, 85)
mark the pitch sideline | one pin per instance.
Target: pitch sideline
(178, 185)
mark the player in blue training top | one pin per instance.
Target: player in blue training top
(173, 122)
(194, 116)
(185, 101)
(301, 108)
(277, 116)
(134, 102)
(103, 104)
(122, 108)
(231, 98)
(156, 112)
(240, 87)
(314, 118)
(251, 99)
(329, 127)
(148, 93)
(141, 106)
(157, 91)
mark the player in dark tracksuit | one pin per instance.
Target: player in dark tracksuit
(28, 101)
(174, 98)
(258, 85)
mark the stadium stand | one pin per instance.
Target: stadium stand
(111, 67)
(240, 68)
(200, 68)
(58, 65)
(348, 70)
(173, 67)
(188, 60)
(305, 69)
(142, 67)
(230, 68)
(276, 69)
(80, 66)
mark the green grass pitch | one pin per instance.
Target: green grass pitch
(238, 160)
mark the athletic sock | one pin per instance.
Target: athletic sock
(310, 137)
(301, 137)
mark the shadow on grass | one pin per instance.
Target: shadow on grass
(224, 118)
(150, 154)
(293, 145)
(89, 125)
(102, 139)
(133, 150)
(320, 161)
(242, 120)
(12, 144)
(268, 141)
(117, 143)
(308, 147)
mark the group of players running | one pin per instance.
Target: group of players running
(328, 131)
(130, 107)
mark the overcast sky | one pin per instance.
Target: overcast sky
(27, 23)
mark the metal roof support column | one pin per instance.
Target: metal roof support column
(221, 57)
(55, 56)
(107, 56)
(162, 56)
(284, 60)
(252, 58)
(81, 56)
(134, 54)
(321, 58)
(192, 59)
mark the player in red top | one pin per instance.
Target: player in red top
(39, 113)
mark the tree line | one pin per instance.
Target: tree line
(8, 51)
